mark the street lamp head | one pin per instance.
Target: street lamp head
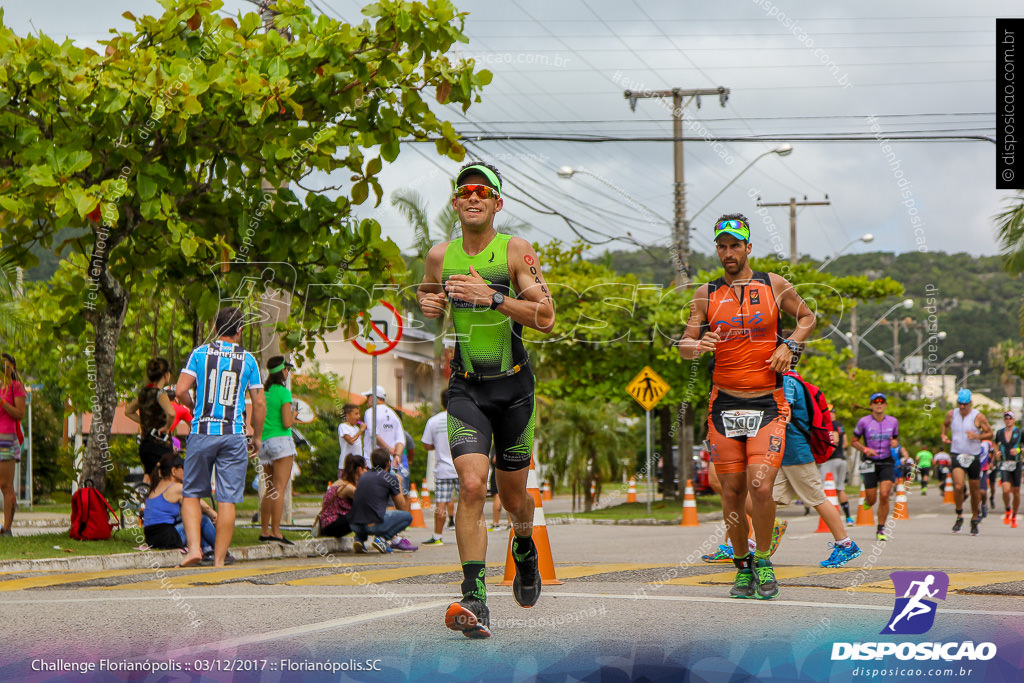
(908, 303)
(941, 335)
(566, 171)
(973, 372)
(958, 355)
(785, 149)
(867, 237)
(880, 353)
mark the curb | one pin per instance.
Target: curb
(554, 520)
(156, 559)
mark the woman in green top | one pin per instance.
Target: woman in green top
(278, 452)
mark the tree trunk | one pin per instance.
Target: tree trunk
(107, 321)
(668, 470)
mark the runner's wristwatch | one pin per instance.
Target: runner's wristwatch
(497, 299)
(793, 346)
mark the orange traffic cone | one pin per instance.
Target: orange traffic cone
(631, 493)
(540, 539)
(545, 491)
(864, 515)
(831, 497)
(900, 511)
(425, 498)
(947, 495)
(689, 507)
(414, 508)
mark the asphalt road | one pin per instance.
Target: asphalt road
(636, 604)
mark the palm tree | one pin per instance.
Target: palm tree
(589, 443)
(1008, 358)
(12, 319)
(1010, 230)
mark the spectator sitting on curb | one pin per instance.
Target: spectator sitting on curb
(337, 504)
(162, 518)
(369, 513)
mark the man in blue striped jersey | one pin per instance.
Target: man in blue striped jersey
(221, 373)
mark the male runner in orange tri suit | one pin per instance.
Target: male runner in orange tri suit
(736, 317)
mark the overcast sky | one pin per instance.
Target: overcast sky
(794, 68)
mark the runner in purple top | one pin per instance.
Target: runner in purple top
(872, 437)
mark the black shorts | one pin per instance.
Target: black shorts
(973, 466)
(874, 471)
(1011, 476)
(151, 451)
(500, 409)
(162, 536)
(924, 472)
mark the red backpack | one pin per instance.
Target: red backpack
(90, 515)
(820, 435)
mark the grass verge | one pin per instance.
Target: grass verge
(59, 544)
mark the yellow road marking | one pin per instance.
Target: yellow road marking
(55, 579)
(727, 577)
(183, 580)
(957, 581)
(577, 571)
(361, 578)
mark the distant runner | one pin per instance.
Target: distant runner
(963, 429)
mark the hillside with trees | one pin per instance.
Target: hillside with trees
(977, 303)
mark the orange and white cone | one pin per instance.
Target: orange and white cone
(631, 493)
(545, 491)
(545, 563)
(900, 510)
(425, 498)
(865, 517)
(831, 497)
(416, 510)
(689, 507)
(947, 495)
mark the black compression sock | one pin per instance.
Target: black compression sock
(522, 547)
(473, 585)
(846, 508)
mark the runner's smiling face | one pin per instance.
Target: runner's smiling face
(476, 213)
(732, 253)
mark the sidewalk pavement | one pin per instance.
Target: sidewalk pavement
(42, 522)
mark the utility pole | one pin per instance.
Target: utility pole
(680, 231)
(680, 227)
(792, 204)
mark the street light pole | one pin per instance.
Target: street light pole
(866, 238)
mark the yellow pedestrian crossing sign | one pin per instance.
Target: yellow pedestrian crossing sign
(647, 388)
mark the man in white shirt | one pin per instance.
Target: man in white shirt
(350, 434)
(389, 435)
(446, 479)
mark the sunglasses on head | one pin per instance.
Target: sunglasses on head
(481, 191)
(879, 400)
(732, 225)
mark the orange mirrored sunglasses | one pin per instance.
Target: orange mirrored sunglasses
(481, 191)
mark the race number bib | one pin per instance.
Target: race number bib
(965, 460)
(741, 422)
(1008, 465)
(866, 467)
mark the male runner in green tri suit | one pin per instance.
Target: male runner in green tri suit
(495, 287)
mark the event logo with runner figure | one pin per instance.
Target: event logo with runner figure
(914, 612)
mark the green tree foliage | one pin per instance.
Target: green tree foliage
(587, 442)
(177, 148)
